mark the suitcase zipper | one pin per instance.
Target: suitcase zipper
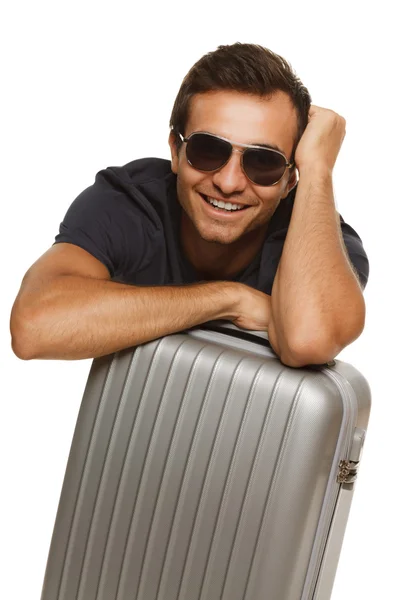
(348, 468)
(347, 471)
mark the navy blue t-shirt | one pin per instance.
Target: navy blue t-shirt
(129, 219)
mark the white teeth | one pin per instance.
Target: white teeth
(225, 205)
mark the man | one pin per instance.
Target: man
(241, 225)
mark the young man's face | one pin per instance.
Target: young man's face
(244, 119)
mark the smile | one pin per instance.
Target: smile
(223, 206)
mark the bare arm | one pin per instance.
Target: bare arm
(316, 299)
(68, 308)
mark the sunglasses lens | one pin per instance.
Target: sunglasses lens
(263, 167)
(207, 153)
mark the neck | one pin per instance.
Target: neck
(216, 261)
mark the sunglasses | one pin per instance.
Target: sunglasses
(209, 152)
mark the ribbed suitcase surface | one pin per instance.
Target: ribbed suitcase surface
(200, 471)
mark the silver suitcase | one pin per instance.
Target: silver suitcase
(202, 468)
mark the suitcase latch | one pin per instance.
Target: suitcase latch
(348, 470)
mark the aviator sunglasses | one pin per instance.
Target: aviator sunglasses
(209, 152)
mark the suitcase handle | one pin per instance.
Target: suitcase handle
(261, 337)
(250, 335)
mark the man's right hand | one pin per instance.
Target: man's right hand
(254, 308)
(254, 312)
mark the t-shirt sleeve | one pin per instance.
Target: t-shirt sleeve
(356, 252)
(104, 222)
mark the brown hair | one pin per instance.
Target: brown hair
(247, 68)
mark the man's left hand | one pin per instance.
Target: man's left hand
(321, 141)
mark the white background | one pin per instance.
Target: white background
(91, 84)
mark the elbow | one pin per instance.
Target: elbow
(23, 339)
(321, 344)
(22, 351)
(309, 353)
(329, 339)
(322, 350)
(22, 348)
(300, 351)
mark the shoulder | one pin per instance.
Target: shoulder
(142, 187)
(136, 191)
(136, 173)
(117, 218)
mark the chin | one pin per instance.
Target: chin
(218, 238)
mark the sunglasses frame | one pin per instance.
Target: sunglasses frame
(232, 144)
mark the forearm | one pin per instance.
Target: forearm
(76, 317)
(316, 298)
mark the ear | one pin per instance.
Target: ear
(292, 181)
(174, 153)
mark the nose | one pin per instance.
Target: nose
(230, 178)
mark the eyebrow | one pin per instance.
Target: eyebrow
(268, 146)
